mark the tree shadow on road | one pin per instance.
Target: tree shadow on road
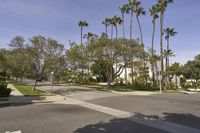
(130, 124)
(22, 101)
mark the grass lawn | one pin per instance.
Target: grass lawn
(26, 90)
(120, 88)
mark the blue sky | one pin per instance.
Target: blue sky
(58, 19)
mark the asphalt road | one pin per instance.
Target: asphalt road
(177, 108)
(56, 118)
(181, 109)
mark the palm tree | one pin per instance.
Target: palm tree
(111, 22)
(139, 11)
(123, 10)
(170, 32)
(106, 23)
(82, 24)
(154, 60)
(88, 36)
(116, 21)
(154, 14)
(162, 5)
(131, 7)
(166, 55)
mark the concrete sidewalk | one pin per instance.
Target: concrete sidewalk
(139, 93)
(16, 97)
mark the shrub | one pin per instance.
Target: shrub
(4, 92)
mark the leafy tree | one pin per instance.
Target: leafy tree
(39, 52)
(17, 64)
(98, 70)
(174, 70)
(191, 69)
(3, 60)
(104, 51)
(77, 56)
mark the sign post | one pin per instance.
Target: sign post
(160, 81)
(52, 77)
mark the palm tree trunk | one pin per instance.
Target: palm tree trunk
(82, 75)
(161, 45)
(141, 38)
(111, 32)
(132, 80)
(176, 81)
(123, 28)
(131, 37)
(156, 69)
(167, 77)
(152, 52)
(81, 35)
(168, 50)
(140, 27)
(131, 26)
(116, 32)
(106, 31)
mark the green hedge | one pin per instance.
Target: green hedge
(4, 91)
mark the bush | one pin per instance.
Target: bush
(4, 92)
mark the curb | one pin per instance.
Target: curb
(4, 102)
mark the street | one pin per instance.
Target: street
(97, 113)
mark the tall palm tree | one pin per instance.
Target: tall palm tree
(162, 5)
(166, 54)
(88, 36)
(82, 24)
(124, 9)
(111, 23)
(140, 11)
(132, 4)
(154, 14)
(116, 21)
(170, 32)
(131, 8)
(106, 23)
(155, 58)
